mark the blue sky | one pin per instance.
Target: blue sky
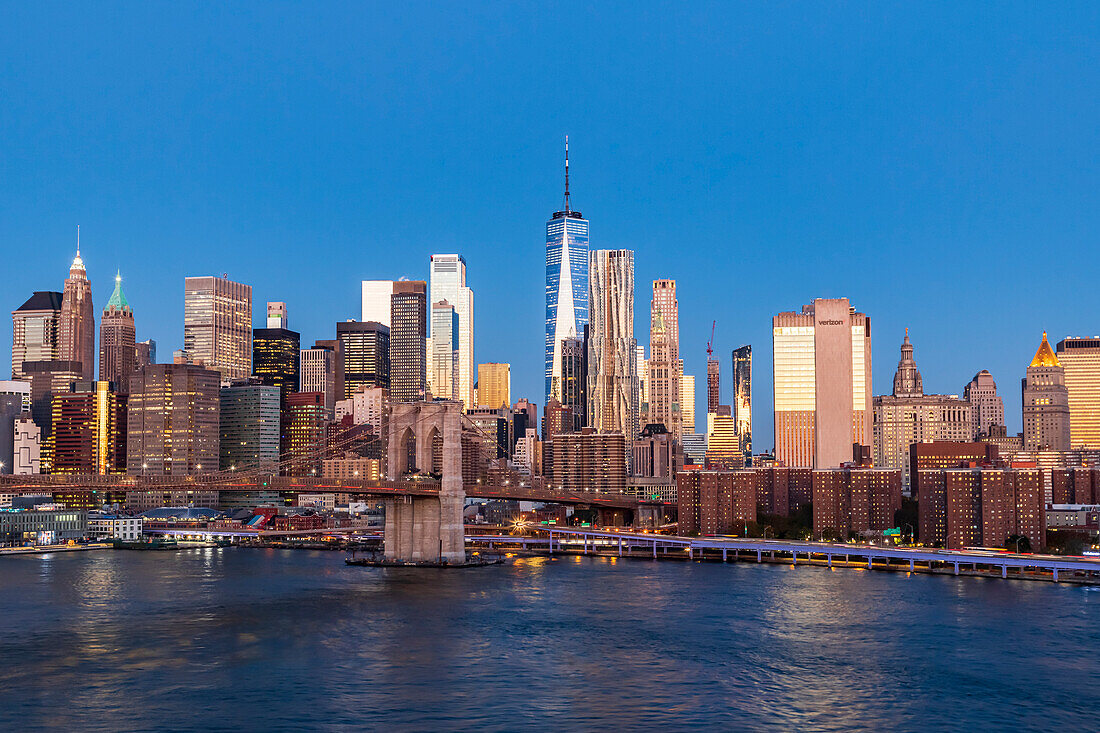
(937, 163)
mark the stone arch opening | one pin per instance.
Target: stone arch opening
(406, 452)
(435, 440)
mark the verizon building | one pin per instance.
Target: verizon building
(822, 381)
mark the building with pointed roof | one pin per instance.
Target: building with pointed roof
(1045, 402)
(909, 416)
(77, 324)
(117, 339)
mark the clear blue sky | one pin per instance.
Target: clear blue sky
(936, 163)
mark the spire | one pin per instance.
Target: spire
(567, 174)
(77, 268)
(118, 298)
(1045, 357)
(907, 380)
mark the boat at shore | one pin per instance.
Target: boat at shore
(157, 543)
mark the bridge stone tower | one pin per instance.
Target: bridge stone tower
(426, 438)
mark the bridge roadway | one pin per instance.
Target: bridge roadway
(221, 482)
(715, 547)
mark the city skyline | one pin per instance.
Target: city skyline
(862, 179)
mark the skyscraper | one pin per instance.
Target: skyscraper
(566, 285)
(276, 352)
(1080, 358)
(713, 385)
(1045, 402)
(443, 368)
(986, 407)
(687, 402)
(663, 383)
(612, 349)
(88, 430)
(145, 352)
(77, 324)
(249, 424)
(36, 331)
(574, 380)
(173, 420)
(376, 301)
(217, 325)
(408, 331)
(117, 345)
(742, 397)
(494, 385)
(448, 282)
(822, 383)
(365, 349)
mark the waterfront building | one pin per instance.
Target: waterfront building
(364, 348)
(88, 434)
(36, 331)
(173, 420)
(217, 325)
(723, 446)
(567, 262)
(443, 352)
(42, 526)
(26, 446)
(145, 352)
(249, 416)
(987, 409)
(376, 301)
(822, 379)
(1080, 360)
(320, 369)
(664, 368)
(104, 526)
(494, 385)
(654, 453)
(981, 507)
(715, 502)
(117, 344)
(448, 283)
(910, 416)
(783, 491)
(408, 331)
(276, 353)
(855, 501)
(612, 358)
(76, 327)
(304, 438)
(586, 461)
(742, 398)
(687, 403)
(1046, 402)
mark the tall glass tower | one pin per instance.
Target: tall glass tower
(566, 285)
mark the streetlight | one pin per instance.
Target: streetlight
(766, 530)
(1018, 545)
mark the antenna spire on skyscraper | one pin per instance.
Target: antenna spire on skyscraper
(567, 173)
(78, 240)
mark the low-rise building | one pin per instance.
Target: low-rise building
(42, 525)
(114, 527)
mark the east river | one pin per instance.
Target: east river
(243, 639)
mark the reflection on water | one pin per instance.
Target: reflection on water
(212, 638)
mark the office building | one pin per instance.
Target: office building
(444, 354)
(117, 344)
(42, 526)
(494, 385)
(612, 357)
(26, 446)
(249, 417)
(574, 379)
(586, 461)
(408, 334)
(910, 416)
(687, 403)
(715, 502)
(173, 420)
(369, 407)
(567, 262)
(1080, 360)
(17, 388)
(448, 283)
(318, 370)
(664, 367)
(694, 446)
(276, 352)
(217, 325)
(11, 407)
(76, 327)
(365, 350)
(723, 447)
(376, 301)
(654, 453)
(88, 430)
(36, 331)
(857, 502)
(48, 378)
(987, 409)
(822, 383)
(981, 507)
(742, 398)
(304, 439)
(1046, 402)
(145, 352)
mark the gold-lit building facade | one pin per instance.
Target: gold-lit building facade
(494, 385)
(1080, 359)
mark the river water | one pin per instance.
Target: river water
(244, 639)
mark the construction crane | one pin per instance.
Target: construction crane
(710, 344)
